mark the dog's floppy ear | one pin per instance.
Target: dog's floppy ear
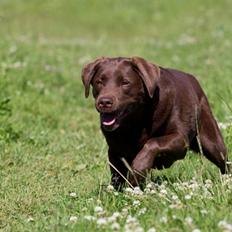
(149, 73)
(88, 73)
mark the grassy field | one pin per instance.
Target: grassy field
(54, 174)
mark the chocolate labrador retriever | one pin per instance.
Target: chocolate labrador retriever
(151, 116)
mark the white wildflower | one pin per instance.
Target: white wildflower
(163, 192)
(73, 194)
(142, 211)
(73, 219)
(150, 186)
(208, 183)
(131, 219)
(84, 209)
(99, 202)
(129, 190)
(153, 191)
(152, 229)
(136, 203)
(196, 230)
(207, 194)
(174, 217)
(132, 225)
(224, 125)
(174, 197)
(30, 219)
(204, 211)
(115, 226)
(193, 185)
(90, 199)
(147, 191)
(227, 179)
(189, 220)
(137, 191)
(164, 219)
(176, 205)
(225, 225)
(187, 197)
(89, 218)
(102, 221)
(110, 188)
(137, 228)
(124, 211)
(99, 210)
(114, 217)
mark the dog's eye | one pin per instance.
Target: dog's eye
(125, 82)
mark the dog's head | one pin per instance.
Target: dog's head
(120, 86)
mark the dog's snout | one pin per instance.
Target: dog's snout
(105, 102)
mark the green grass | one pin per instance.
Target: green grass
(50, 142)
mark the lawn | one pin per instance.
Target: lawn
(54, 174)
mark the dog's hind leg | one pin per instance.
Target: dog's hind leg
(210, 138)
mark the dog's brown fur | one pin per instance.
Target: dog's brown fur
(151, 115)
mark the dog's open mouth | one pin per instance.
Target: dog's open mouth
(108, 119)
(111, 121)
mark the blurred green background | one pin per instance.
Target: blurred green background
(194, 36)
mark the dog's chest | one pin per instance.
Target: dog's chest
(128, 143)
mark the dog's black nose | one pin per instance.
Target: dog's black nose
(105, 102)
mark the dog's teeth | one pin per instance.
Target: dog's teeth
(109, 123)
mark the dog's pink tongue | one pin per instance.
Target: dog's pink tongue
(109, 123)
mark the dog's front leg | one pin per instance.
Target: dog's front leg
(117, 169)
(175, 144)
